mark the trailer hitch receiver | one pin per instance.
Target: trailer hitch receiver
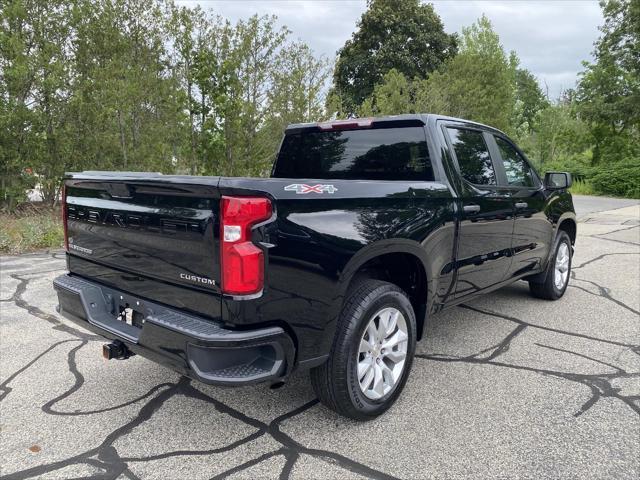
(117, 350)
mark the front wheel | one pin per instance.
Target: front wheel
(371, 354)
(555, 278)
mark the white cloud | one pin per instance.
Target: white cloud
(552, 38)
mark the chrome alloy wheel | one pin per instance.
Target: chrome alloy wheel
(382, 353)
(561, 271)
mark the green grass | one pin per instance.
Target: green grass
(583, 187)
(30, 230)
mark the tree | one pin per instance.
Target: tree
(144, 85)
(254, 52)
(125, 101)
(560, 135)
(17, 75)
(608, 93)
(405, 35)
(243, 85)
(529, 97)
(273, 82)
(199, 55)
(34, 42)
(391, 97)
(478, 83)
(297, 91)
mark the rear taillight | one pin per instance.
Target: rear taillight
(241, 261)
(64, 217)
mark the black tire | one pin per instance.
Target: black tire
(543, 285)
(335, 382)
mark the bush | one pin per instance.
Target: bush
(619, 179)
(583, 187)
(579, 165)
(30, 230)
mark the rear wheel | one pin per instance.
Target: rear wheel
(552, 284)
(371, 354)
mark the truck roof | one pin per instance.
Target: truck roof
(406, 119)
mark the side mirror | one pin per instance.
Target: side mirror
(557, 180)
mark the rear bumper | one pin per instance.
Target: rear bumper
(199, 348)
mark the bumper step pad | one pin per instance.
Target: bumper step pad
(195, 346)
(98, 308)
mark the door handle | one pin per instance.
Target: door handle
(521, 205)
(471, 208)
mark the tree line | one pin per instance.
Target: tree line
(145, 85)
(150, 85)
(592, 130)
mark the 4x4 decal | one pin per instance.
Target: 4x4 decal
(303, 188)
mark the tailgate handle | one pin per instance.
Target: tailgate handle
(119, 190)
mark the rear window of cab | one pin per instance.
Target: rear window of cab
(367, 154)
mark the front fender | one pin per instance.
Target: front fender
(560, 208)
(562, 218)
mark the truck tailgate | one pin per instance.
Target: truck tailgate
(154, 226)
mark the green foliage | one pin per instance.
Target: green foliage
(30, 230)
(579, 165)
(85, 85)
(529, 100)
(583, 187)
(559, 134)
(153, 86)
(478, 83)
(609, 91)
(144, 85)
(578, 133)
(391, 97)
(124, 105)
(34, 43)
(405, 35)
(608, 95)
(622, 181)
(608, 98)
(273, 82)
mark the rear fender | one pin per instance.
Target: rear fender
(382, 247)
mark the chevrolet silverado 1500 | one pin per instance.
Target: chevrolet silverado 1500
(365, 230)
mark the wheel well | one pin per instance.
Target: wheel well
(407, 272)
(569, 226)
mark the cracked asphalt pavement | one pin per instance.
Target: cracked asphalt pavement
(504, 386)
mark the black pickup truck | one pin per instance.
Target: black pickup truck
(366, 228)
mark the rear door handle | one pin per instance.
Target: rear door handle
(471, 208)
(521, 205)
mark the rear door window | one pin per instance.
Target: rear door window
(368, 154)
(473, 156)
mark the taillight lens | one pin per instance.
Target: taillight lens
(64, 217)
(242, 262)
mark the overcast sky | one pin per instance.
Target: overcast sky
(551, 37)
